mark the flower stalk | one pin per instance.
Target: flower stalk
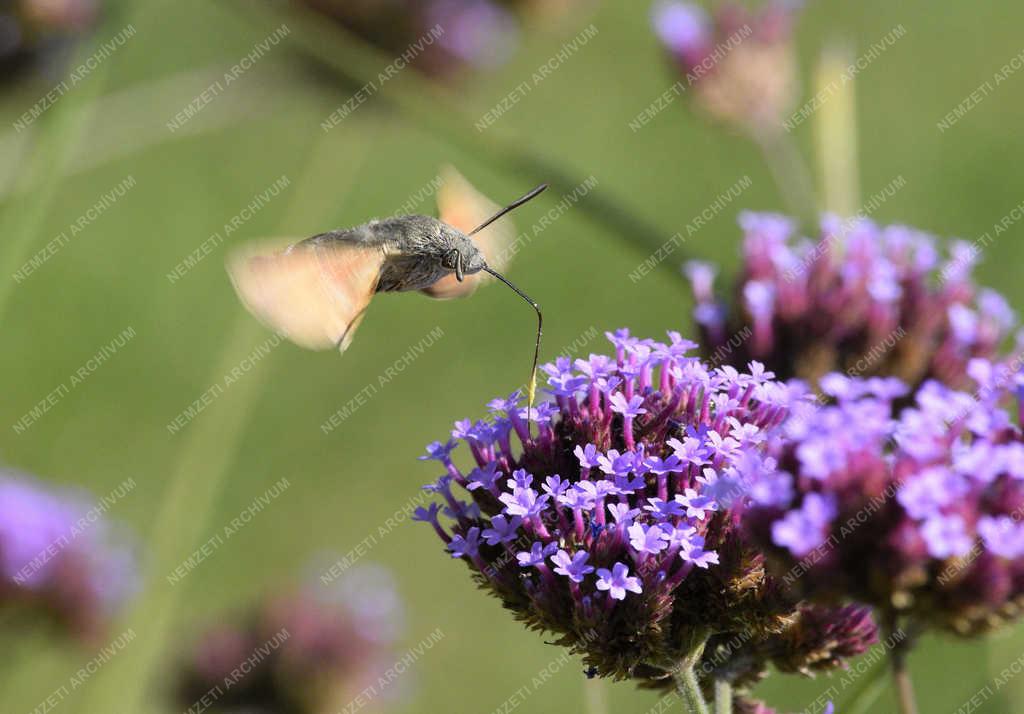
(689, 689)
(723, 696)
(898, 656)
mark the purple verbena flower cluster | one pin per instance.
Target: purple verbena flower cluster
(58, 557)
(739, 63)
(610, 524)
(860, 299)
(918, 515)
(449, 35)
(305, 650)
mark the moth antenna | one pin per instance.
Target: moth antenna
(510, 207)
(531, 391)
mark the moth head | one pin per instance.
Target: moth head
(464, 258)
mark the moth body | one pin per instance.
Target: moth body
(418, 251)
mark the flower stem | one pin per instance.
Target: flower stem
(596, 695)
(902, 643)
(48, 151)
(836, 131)
(723, 696)
(791, 174)
(689, 689)
(686, 676)
(901, 677)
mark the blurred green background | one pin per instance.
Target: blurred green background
(345, 484)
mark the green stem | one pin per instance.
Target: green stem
(689, 689)
(685, 674)
(53, 140)
(901, 678)
(791, 174)
(903, 641)
(437, 110)
(723, 696)
(835, 130)
(596, 695)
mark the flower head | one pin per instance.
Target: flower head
(739, 63)
(859, 298)
(451, 36)
(919, 515)
(305, 650)
(600, 527)
(57, 557)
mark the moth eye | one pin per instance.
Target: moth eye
(450, 259)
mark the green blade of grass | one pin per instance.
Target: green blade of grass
(56, 135)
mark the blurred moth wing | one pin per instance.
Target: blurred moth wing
(461, 206)
(315, 294)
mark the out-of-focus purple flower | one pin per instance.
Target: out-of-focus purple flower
(738, 64)
(479, 33)
(599, 527)
(35, 29)
(918, 515)
(449, 36)
(804, 529)
(808, 308)
(58, 556)
(310, 650)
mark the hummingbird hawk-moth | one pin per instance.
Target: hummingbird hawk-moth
(316, 291)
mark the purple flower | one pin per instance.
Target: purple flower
(486, 477)
(927, 492)
(625, 484)
(804, 529)
(465, 546)
(749, 85)
(682, 27)
(618, 581)
(502, 530)
(665, 509)
(592, 494)
(573, 567)
(946, 536)
(59, 557)
(428, 514)
(524, 502)
(615, 463)
(692, 551)
(535, 556)
(647, 539)
(577, 498)
(1002, 535)
(506, 405)
(928, 487)
(661, 467)
(696, 505)
(555, 486)
(798, 296)
(345, 632)
(588, 456)
(622, 513)
(627, 407)
(520, 479)
(438, 451)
